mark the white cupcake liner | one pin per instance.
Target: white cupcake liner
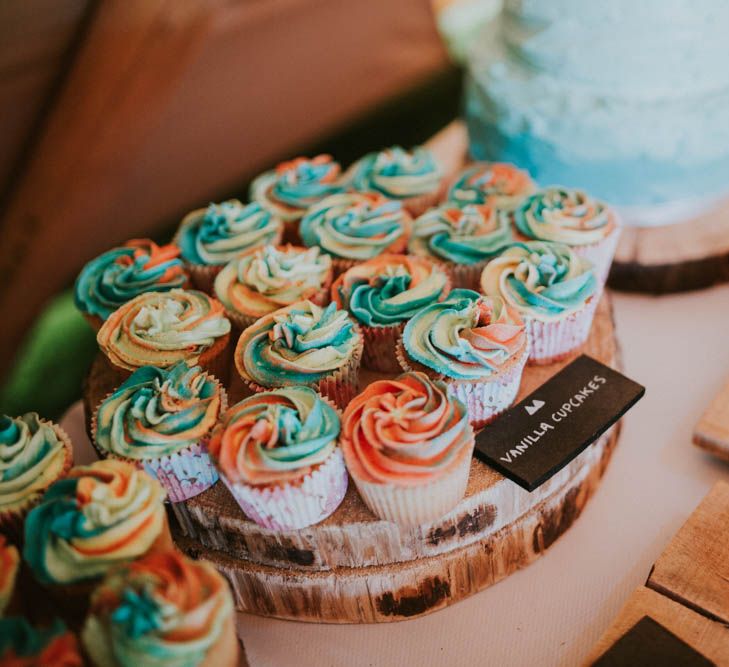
(601, 254)
(418, 504)
(294, 506)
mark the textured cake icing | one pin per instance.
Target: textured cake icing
(625, 100)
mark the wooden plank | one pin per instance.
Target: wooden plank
(707, 637)
(712, 431)
(694, 568)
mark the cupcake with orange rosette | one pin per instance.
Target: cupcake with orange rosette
(278, 454)
(9, 572)
(160, 420)
(270, 278)
(407, 444)
(384, 293)
(163, 609)
(23, 645)
(163, 329)
(118, 275)
(498, 184)
(476, 345)
(354, 226)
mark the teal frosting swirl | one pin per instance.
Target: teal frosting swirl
(462, 234)
(221, 232)
(498, 184)
(157, 412)
(541, 279)
(397, 173)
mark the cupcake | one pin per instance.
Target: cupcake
(163, 609)
(498, 184)
(294, 186)
(117, 276)
(553, 288)
(408, 444)
(302, 344)
(270, 278)
(33, 454)
(572, 217)
(9, 571)
(210, 237)
(278, 454)
(160, 420)
(356, 226)
(384, 293)
(22, 645)
(476, 345)
(414, 177)
(162, 329)
(464, 238)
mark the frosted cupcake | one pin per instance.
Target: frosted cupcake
(277, 453)
(163, 329)
(476, 345)
(117, 276)
(296, 185)
(270, 278)
(553, 288)
(210, 237)
(464, 238)
(302, 344)
(384, 293)
(414, 177)
(355, 227)
(408, 444)
(572, 217)
(163, 609)
(9, 571)
(498, 184)
(160, 420)
(23, 645)
(33, 454)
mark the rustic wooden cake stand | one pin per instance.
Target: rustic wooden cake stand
(354, 568)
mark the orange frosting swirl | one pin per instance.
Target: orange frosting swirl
(9, 564)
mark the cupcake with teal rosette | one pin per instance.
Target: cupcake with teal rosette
(408, 444)
(464, 238)
(269, 278)
(34, 453)
(24, 645)
(302, 344)
(553, 288)
(384, 293)
(278, 454)
(572, 217)
(294, 186)
(414, 177)
(118, 275)
(210, 237)
(355, 226)
(163, 609)
(476, 345)
(498, 184)
(160, 421)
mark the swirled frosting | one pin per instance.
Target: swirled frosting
(22, 645)
(497, 184)
(32, 456)
(462, 234)
(162, 329)
(269, 278)
(563, 215)
(397, 173)
(163, 609)
(543, 280)
(9, 565)
(356, 225)
(389, 289)
(465, 337)
(299, 344)
(275, 437)
(220, 232)
(405, 431)
(99, 515)
(295, 185)
(117, 276)
(158, 412)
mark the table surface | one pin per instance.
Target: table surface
(552, 612)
